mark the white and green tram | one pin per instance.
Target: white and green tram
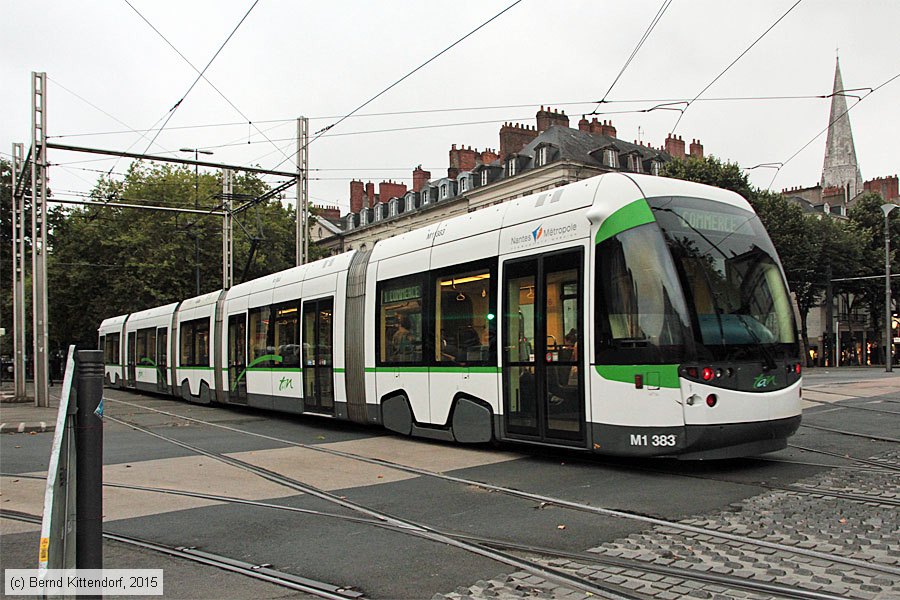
(623, 314)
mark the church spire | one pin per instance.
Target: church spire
(840, 168)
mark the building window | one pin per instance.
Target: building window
(443, 190)
(635, 160)
(540, 157)
(425, 197)
(400, 321)
(484, 177)
(611, 158)
(654, 167)
(463, 185)
(511, 167)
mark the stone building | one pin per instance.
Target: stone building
(529, 159)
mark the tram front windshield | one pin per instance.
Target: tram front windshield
(732, 282)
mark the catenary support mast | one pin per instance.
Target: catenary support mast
(227, 230)
(302, 211)
(39, 236)
(18, 267)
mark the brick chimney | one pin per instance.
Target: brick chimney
(514, 137)
(420, 178)
(357, 191)
(674, 146)
(389, 189)
(547, 119)
(886, 186)
(328, 212)
(607, 129)
(696, 148)
(489, 156)
(584, 125)
(370, 194)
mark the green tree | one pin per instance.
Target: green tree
(6, 256)
(711, 171)
(867, 220)
(113, 260)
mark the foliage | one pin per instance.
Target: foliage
(6, 255)
(114, 260)
(711, 171)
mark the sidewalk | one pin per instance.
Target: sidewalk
(25, 417)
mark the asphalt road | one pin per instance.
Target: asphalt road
(386, 564)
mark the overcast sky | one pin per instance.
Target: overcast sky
(323, 59)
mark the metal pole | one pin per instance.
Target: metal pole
(227, 230)
(89, 461)
(888, 334)
(302, 190)
(39, 235)
(197, 152)
(18, 256)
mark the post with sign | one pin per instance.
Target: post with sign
(89, 452)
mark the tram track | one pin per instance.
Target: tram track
(256, 571)
(890, 399)
(403, 525)
(853, 407)
(539, 498)
(588, 558)
(867, 436)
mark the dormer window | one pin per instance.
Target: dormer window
(654, 167)
(511, 167)
(424, 196)
(443, 190)
(611, 158)
(484, 177)
(541, 156)
(634, 161)
(463, 185)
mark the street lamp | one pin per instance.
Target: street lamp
(197, 152)
(888, 330)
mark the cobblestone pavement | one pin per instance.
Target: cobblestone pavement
(862, 531)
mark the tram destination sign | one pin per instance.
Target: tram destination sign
(708, 220)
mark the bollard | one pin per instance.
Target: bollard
(89, 461)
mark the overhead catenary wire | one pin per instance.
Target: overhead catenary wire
(732, 63)
(201, 74)
(405, 77)
(659, 13)
(177, 104)
(830, 123)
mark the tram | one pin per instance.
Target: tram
(624, 314)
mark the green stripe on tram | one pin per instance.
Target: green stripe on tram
(668, 374)
(434, 369)
(628, 217)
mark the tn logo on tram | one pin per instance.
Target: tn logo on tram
(762, 381)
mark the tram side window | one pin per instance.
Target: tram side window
(464, 317)
(286, 333)
(146, 347)
(195, 343)
(258, 332)
(111, 349)
(101, 345)
(400, 321)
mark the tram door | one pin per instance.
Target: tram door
(131, 351)
(162, 359)
(542, 349)
(237, 358)
(318, 343)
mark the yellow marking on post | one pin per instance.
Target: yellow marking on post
(45, 550)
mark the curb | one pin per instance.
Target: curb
(33, 427)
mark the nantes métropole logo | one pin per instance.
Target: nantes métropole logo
(542, 235)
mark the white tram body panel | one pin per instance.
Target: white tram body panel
(195, 328)
(147, 349)
(571, 317)
(112, 342)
